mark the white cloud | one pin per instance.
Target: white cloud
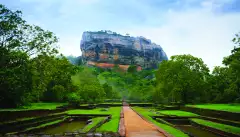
(197, 32)
(70, 45)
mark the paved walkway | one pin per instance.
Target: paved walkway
(137, 127)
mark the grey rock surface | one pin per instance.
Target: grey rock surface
(105, 48)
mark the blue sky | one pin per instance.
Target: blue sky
(203, 28)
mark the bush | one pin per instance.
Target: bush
(59, 92)
(74, 99)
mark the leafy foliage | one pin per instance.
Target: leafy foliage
(29, 70)
(182, 79)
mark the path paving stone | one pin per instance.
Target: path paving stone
(137, 127)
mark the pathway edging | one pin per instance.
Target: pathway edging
(121, 126)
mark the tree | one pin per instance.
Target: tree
(89, 87)
(132, 69)
(227, 84)
(28, 64)
(182, 79)
(15, 79)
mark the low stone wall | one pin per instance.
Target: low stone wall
(109, 105)
(213, 113)
(72, 134)
(99, 124)
(121, 126)
(222, 121)
(141, 104)
(12, 115)
(175, 117)
(21, 125)
(213, 130)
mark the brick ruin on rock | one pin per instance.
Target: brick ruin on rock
(105, 49)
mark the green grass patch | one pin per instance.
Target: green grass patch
(171, 130)
(177, 113)
(111, 126)
(116, 103)
(34, 106)
(221, 107)
(111, 110)
(140, 103)
(223, 127)
(95, 121)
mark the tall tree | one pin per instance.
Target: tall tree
(183, 78)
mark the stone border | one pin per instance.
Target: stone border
(98, 124)
(12, 115)
(158, 128)
(222, 121)
(21, 125)
(121, 126)
(213, 113)
(214, 130)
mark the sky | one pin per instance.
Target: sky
(202, 28)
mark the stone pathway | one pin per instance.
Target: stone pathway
(137, 127)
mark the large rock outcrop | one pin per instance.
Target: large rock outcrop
(106, 48)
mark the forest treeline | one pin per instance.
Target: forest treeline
(31, 70)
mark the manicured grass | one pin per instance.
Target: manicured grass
(111, 126)
(171, 130)
(44, 105)
(34, 106)
(223, 127)
(117, 103)
(141, 103)
(95, 121)
(177, 113)
(221, 107)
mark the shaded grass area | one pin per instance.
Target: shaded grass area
(177, 113)
(223, 127)
(221, 107)
(30, 118)
(35, 106)
(111, 126)
(171, 130)
(95, 121)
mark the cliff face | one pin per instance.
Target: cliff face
(104, 49)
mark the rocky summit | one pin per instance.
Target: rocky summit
(106, 48)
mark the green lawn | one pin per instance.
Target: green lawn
(171, 130)
(112, 125)
(222, 107)
(111, 110)
(34, 106)
(141, 103)
(95, 121)
(117, 103)
(177, 113)
(223, 127)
